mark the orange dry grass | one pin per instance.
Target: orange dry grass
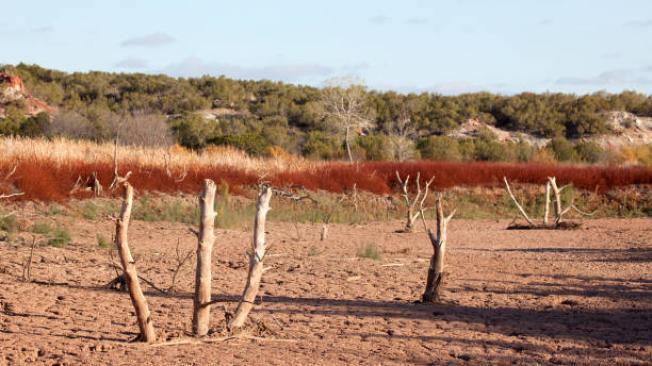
(47, 170)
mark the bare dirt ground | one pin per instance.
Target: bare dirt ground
(579, 297)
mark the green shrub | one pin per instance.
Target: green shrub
(103, 242)
(165, 209)
(369, 251)
(53, 210)
(59, 238)
(440, 148)
(523, 152)
(375, 146)
(193, 131)
(41, 227)
(89, 210)
(35, 126)
(485, 150)
(320, 145)
(589, 152)
(8, 223)
(562, 149)
(250, 142)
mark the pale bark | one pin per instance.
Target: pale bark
(546, 211)
(256, 257)
(557, 193)
(411, 203)
(324, 233)
(147, 332)
(434, 282)
(203, 278)
(518, 205)
(96, 185)
(117, 179)
(347, 144)
(559, 210)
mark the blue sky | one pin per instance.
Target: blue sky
(450, 47)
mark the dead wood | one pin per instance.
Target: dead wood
(145, 324)
(256, 257)
(412, 214)
(435, 278)
(203, 276)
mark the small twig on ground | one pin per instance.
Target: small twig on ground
(2, 196)
(27, 268)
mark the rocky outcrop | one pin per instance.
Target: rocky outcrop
(626, 129)
(12, 90)
(472, 127)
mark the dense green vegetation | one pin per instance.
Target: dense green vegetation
(264, 114)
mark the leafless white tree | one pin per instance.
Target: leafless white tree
(411, 203)
(344, 103)
(559, 210)
(400, 134)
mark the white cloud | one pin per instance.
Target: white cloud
(150, 40)
(131, 63)
(192, 67)
(43, 29)
(380, 19)
(307, 73)
(617, 77)
(416, 21)
(640, 23)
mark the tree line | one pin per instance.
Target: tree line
(343, 119)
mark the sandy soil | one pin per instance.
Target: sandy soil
(579, 297)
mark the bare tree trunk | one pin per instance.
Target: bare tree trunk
(435, 278)
(256, 257)
(96, 185)
(518, 205)
(552, 181)
(205, 240)
(324, 232)
(147, 332)
(347, 144)
(546, 210)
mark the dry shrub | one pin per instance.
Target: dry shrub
(47, 170)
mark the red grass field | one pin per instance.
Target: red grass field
(40, 179)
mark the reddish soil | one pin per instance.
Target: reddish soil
(581, 297)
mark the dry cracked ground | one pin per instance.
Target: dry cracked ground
(581, 297)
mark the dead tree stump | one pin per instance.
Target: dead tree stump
(435, 279)
(147, 332)
(205, 240)
(256, 257)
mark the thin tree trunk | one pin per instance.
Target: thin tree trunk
(435, 279)
(557, 193)
(518, 205)
(348, 146)
(147, 332)
(324, 232)
(409, 223)
(546, 210)
(205, 240)
(256, 257)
